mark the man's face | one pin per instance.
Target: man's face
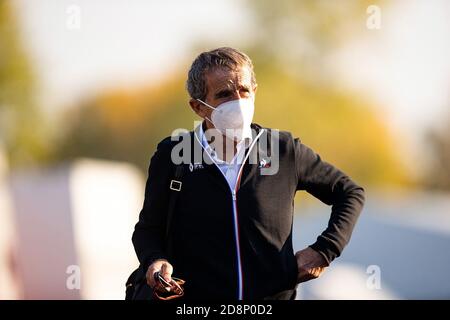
(222, 86)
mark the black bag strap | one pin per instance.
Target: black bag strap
(175, 186)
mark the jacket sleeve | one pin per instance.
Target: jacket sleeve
(149, 232)
(332, 187)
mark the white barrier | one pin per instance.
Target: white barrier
(74, 225)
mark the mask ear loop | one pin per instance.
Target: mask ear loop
(208, 107)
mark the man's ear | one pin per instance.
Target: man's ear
(197, 107)
(254, 91)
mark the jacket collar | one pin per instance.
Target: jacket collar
(251, 160)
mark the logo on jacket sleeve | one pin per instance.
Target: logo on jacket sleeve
(264, 163)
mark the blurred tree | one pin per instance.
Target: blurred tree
(21, 126)
(438, 176)
(125, 124)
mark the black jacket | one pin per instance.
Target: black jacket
(242, 248)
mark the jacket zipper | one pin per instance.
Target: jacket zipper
(235, 213)
(238, 247)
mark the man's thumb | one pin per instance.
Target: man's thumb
(166, 271)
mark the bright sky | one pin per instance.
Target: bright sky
(119, 42)
(404, 66)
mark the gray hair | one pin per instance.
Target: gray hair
(224, 57)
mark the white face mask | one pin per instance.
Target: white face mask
(233, 117)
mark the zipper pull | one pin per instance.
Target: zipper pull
(233, 194)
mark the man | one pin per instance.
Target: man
(231, 231)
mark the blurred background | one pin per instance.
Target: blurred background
(89, 87)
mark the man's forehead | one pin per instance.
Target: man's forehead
(221, 77)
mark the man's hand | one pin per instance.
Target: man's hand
(310, 264)
(164, 267)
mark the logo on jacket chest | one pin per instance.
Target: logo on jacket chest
(195, 166)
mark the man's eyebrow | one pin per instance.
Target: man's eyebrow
(228, 90)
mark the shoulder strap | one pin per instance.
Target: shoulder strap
(175, 186)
